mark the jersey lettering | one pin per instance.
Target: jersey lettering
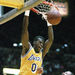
(32, 57)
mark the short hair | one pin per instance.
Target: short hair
(69, 72)
(36, 38)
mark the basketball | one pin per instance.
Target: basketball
(53, 16)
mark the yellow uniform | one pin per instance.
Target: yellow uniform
(30, 62)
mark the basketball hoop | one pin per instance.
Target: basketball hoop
(48, 11)
(15, 12)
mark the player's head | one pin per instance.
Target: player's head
(67, 73)
(38, 42)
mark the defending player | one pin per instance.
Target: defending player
(32, 56)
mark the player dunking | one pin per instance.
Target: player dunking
(32, 56)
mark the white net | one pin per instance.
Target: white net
(43, 7)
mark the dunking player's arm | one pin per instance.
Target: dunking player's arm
(49, 41)
(25, 35)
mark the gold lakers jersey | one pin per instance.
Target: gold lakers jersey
(30, 62)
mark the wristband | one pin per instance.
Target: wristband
(27, 12)
(49, 24)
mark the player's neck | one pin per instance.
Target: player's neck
(36, 50)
